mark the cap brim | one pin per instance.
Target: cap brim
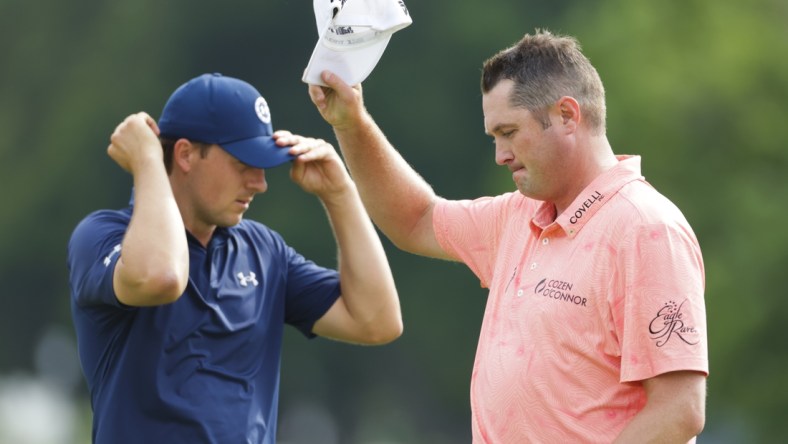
(353, 66)
(259, 152)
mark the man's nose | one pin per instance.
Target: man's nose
(502, 155)
(255, 180)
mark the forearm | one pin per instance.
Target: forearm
(368, 289)
(154, 262)
(396, 197)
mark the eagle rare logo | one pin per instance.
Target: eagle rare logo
(670, 323)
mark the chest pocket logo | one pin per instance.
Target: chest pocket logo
(246, 280)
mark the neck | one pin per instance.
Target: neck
(597, 159)
(189, 213)
(202, 234)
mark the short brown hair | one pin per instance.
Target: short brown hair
(545, 67)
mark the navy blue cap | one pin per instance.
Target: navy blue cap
(213, 108)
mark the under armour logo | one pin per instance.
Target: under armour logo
(245, 280)
(108, 259)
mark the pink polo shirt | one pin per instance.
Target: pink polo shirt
(581, 306)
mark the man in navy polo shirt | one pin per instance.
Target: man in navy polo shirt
(179, 303)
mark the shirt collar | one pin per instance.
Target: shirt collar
(591, 199)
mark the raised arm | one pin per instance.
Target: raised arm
(153, 267)
(399, 201)
(368, 310)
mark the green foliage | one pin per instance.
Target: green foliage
(697, 87)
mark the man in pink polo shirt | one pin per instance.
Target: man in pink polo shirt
(595, 326)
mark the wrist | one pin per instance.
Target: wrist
(341, 197)
(354, 122)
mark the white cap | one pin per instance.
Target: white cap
(353, 35)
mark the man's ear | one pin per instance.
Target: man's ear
(183, 154)
(569, 112)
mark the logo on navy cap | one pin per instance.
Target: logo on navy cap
(261, 108)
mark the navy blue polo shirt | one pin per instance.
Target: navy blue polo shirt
(204, 369)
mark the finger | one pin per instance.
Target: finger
(333, 81)
(318, 95)
(151, 123)
(315, 150)
(303, 145)
(345, 91)
(282, 137)
(115, 153)
(115, 136)
(286, 139)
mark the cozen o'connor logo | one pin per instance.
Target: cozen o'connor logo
(670, 323)
(261, 108)
(540, 286)
(559, 290)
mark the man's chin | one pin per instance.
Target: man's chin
(230, 222)
(528, 192)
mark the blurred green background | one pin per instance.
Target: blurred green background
(697, 87)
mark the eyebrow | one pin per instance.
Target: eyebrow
(498, 128)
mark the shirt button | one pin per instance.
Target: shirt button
(545, 241)
(533, 266)
(520, 292)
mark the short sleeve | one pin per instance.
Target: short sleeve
(311, 291)
(471, 230)
(93, 252)
(660, 313)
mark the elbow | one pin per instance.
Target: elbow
(695, 421)
(408, 242)
(388, 335)
(169, 287)
(384, 332)
(693, 417)
(416, 236)
(154, 281)
(159, 289)
(402, 243)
